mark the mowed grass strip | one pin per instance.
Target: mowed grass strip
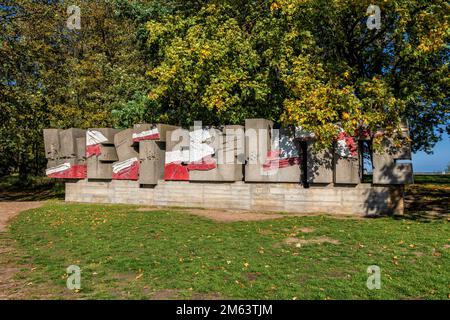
(168, 254)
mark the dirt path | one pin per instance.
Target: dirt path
(9, 209)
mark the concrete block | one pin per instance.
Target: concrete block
(235, 143)
(257, 139)
(319, 164)
(177, 139)
(97, 169)
(52, 163)
(347, 170)
(223, 172)
(152, 157)
(161, 130)
(108, 154)
(124, 151)
(357, 200)
(123, 141)
(386, 170)
(289, 174)
(269, 159)
(72, 160)
(68, 139)
(109, 134)
(255, 173)
(52, 143)
(81, 147)
(225, 155)
(124, 137)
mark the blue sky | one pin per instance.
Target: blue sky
(437, 161)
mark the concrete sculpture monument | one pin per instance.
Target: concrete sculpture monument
(256, 166)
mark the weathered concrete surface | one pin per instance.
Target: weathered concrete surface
(108, 154)
(97, 169)
(162, 129)
(152, 157)
(73, 161)
(386, 169)
(68, 141)
(123, 141)
(109, 134)
(258, 144)
(319, 164)
(346, 170)
(229, 156)
(81, 147)
(223, 172)
(52, 143)
(362, 199)
(256, 148)
(177, 139)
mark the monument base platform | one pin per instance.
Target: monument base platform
(360, 200)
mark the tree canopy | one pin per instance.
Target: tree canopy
(311, 63)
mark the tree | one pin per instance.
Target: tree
(52, 76)
(312, 63)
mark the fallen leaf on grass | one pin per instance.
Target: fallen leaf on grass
(395, 260)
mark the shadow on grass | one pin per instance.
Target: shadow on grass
(427, 202)
(32, 189)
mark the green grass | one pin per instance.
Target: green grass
(434, 179)
(419, 179)
(124, 253)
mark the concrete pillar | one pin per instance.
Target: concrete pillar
(68, 139)
(152, 159)
(319, 164)
(386, 170)
(52, 143)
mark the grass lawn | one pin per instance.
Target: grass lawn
(167, 254)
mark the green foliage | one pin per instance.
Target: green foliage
(210, 72)
(132, 112)
(311, 63)
(55, 77)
